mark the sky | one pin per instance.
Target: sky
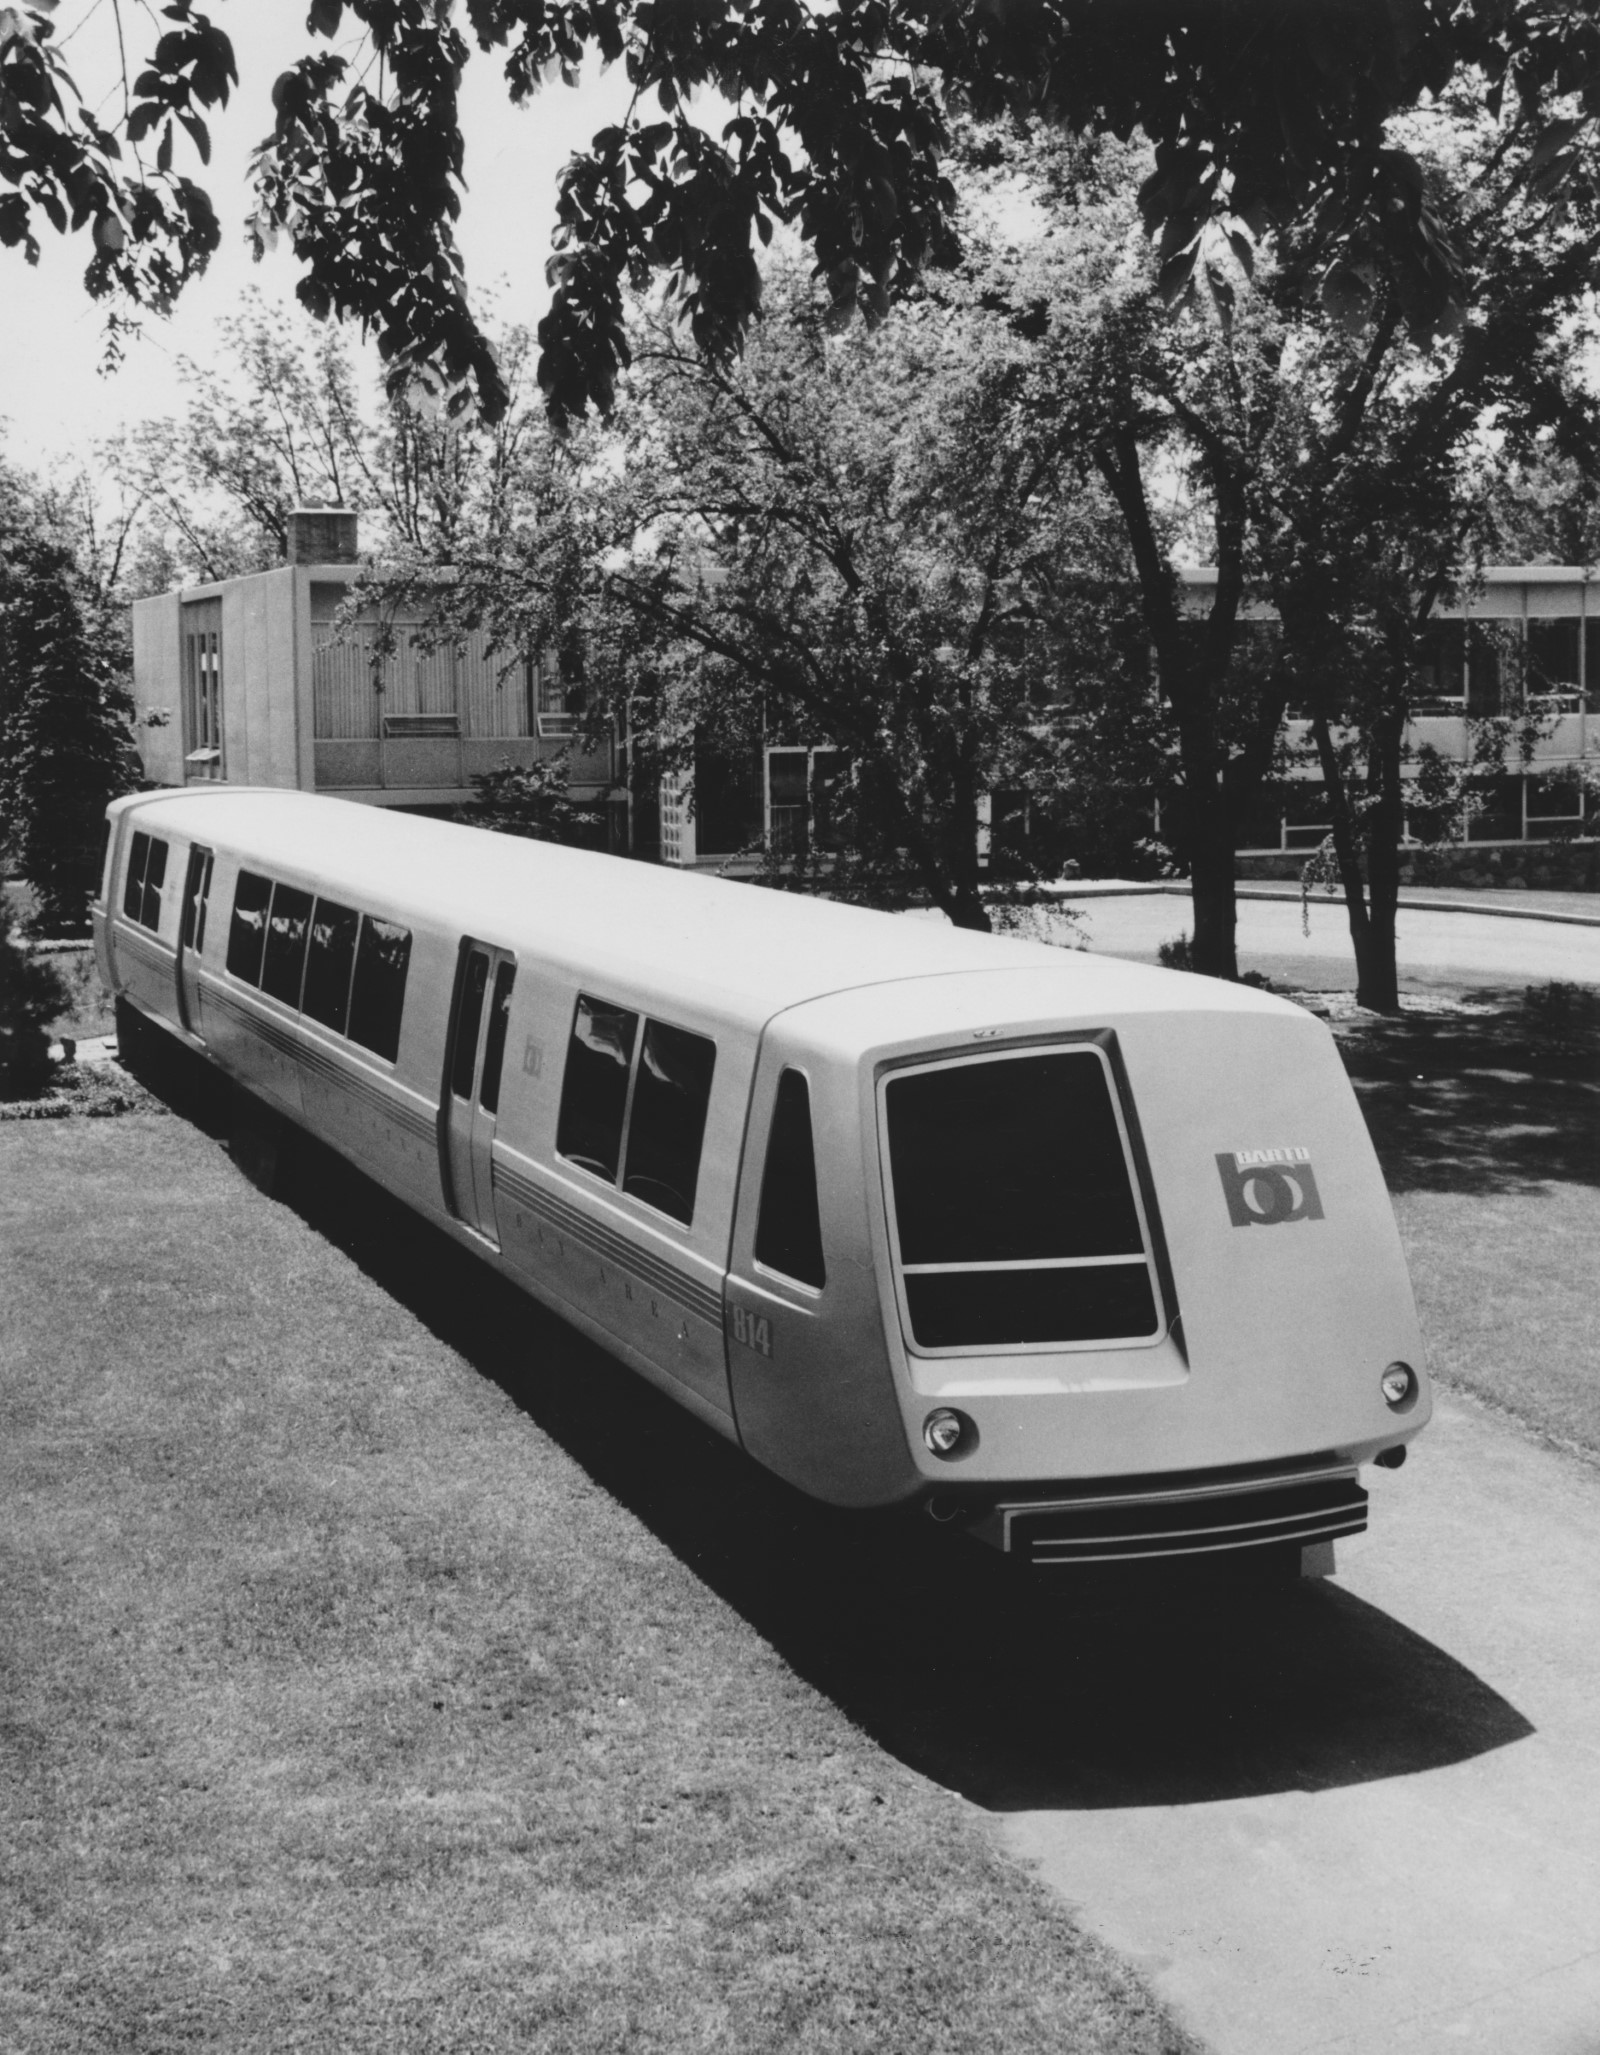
(56, 401)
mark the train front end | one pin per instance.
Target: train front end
(1137, 1278)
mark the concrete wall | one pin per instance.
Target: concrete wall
(158, 688)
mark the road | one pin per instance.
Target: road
(1436, 948)
(1411, 1863)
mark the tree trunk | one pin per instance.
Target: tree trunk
(1211, 877)
(964, 904)
(1377, 967)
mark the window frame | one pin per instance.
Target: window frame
(1092, 1042)
(643, 1022)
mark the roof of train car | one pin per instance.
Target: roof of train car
(738, 948)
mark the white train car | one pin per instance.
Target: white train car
(1092, 1258)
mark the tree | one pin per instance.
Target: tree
(1260, 116)
(1332, 466)
(282, 421)
(1370, 501)
(64, 751)
(31, 995)
(833, 544)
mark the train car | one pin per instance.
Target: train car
(1093, 1259)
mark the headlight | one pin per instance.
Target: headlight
(1399, 1386)
(949, 1434)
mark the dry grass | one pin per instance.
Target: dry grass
(345, 1710)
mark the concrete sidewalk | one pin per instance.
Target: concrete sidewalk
(1439, 946)
(1581, 909)
(1360, 1905)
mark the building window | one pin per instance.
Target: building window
(802, 799)
(202, 690)
(1554, 802)
(1554, 666)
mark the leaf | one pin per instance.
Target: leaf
(164, 152)
(323, 19)
(1177, 276)
(199, 135)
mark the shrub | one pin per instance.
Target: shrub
(31, 995)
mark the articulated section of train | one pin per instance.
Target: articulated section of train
(1092, 1259)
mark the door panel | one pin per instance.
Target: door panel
(485, 978)
(192, 937)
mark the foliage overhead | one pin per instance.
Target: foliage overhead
(1261, 115)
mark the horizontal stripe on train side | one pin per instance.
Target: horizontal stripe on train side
(144, 948)
(301, 1049)
(605, 1242)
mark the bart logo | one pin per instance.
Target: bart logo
(1266, 1186)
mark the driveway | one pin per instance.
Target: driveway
(1410, 1859)
(1437, 948)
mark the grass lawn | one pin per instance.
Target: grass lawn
(1486, 1116)
(383, 1668)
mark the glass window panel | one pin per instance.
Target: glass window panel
(248, 934)
(133, 890)
(1491, 650)
(1439, 685)
(668, 1123)
(1010, 1161)
(469, 1019)
(1557, 797)
(285, 960)
(594, 1088)
(953, 1309)
(330, 959)
(1553, 658)
(378, 993)
(155, 876)
(494, 1045)
(788, 1228)
(1497, 811)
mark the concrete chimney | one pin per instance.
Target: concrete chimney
(322, 535)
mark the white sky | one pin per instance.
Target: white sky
(55, 402)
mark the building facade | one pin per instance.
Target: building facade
(1526, 642)
(261, 680)
(257, 681)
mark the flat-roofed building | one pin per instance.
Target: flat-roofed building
(257, 680)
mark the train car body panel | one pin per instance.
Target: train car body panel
(821, 1174)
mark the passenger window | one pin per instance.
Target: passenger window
(464, 1058)
(788, 1229)
(377, 998)
(494, 1047)
(285, 959)
(594, 1089)
(247, 936)
(668, 1121)
(330, 958)
(133, 890)
(155, 876)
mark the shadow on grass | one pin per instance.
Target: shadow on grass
(1498, 1101)
(1104, 1690)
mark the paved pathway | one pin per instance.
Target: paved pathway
(1437, 947)
(1339, 1899)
